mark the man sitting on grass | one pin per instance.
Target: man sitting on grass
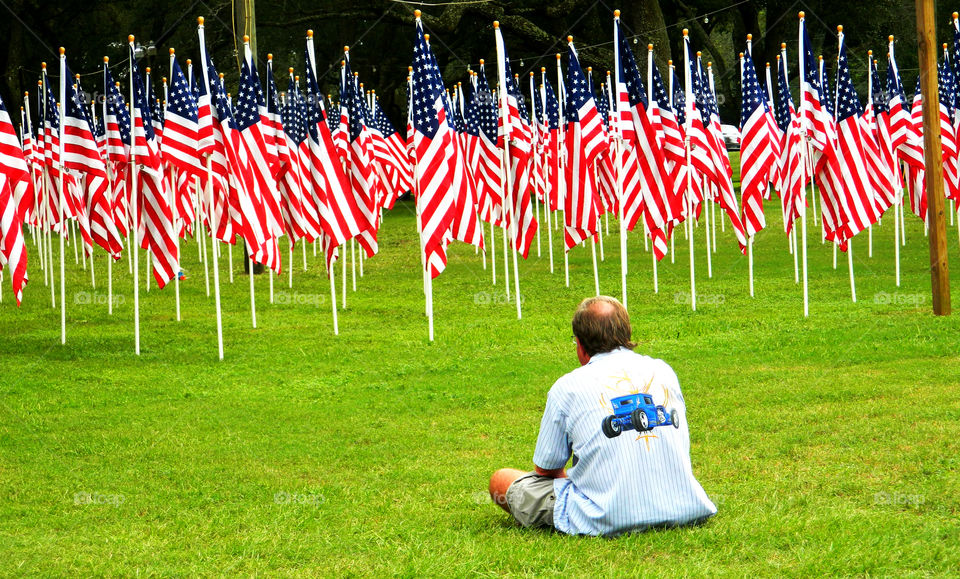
(631, 482)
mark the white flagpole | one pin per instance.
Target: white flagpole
(688, 97)
(247, 55)
(749, 237)
(426, 270)
(535, 124)
(210, 204)
(807, 167)
(110, 178)
(873, 112)
(709, 216)
(199, 230)
(134, 209)
(618, 152)
(173, 196)
(562, 180)
(48, 215)
(673, 236)
(146, 267)
(508, 191)
(836, 107)
(546, 192)
(63, 285)
(653, 252)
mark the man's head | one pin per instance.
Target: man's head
(601, 324)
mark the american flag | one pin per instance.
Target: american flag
(829, 96)
(793, 175)
(260, 183)
(243, 207)
(916, 176)
(948, 136)
(669, 130)
(273, 136)
(465, 226)
(81, 153)
(552, 144)
(648, 185)
(216, 148)
(541, 137)
(117, 125)
(705, 171)
(27, 200)
(606, 175)
(815, 117)
(585, 143)
(679, 104)
(340, 132)
(340, 215)
(724, 193)
(907, 142)
(156, 112)
(271, 118)
(155, 231)
(180, 147)
(34, 164)
(392, 155)
(299, 214)
(433, 156)
(757, 147)
(51, 150)
(956, 68)
(820, 127)
(515, 130)
(485, 158)
(878, 154)
(14, 182)
(857, 199)
(81, 156)
(359, 161)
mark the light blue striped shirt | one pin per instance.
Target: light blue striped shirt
(626, 483)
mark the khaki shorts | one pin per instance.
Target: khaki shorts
(531, 499)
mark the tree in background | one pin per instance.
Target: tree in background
(380, 33)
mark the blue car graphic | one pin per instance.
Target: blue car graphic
(637, 412)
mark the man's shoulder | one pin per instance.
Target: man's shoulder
(600, 365)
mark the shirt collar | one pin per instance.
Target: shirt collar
(603, 355)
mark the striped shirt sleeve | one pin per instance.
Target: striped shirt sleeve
(553, 445)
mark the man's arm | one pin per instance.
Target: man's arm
(553, 446)
(555, 473)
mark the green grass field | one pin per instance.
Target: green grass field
(830, 444)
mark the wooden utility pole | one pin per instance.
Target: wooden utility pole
(245, 16)
(933, 162)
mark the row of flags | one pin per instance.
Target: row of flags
(861, 156)
(281, 164)
(262, 168)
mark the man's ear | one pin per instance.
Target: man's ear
(582, 355)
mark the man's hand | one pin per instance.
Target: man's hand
(555, 473)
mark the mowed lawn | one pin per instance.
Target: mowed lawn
(830, 444)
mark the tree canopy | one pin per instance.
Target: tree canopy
(380, 34)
